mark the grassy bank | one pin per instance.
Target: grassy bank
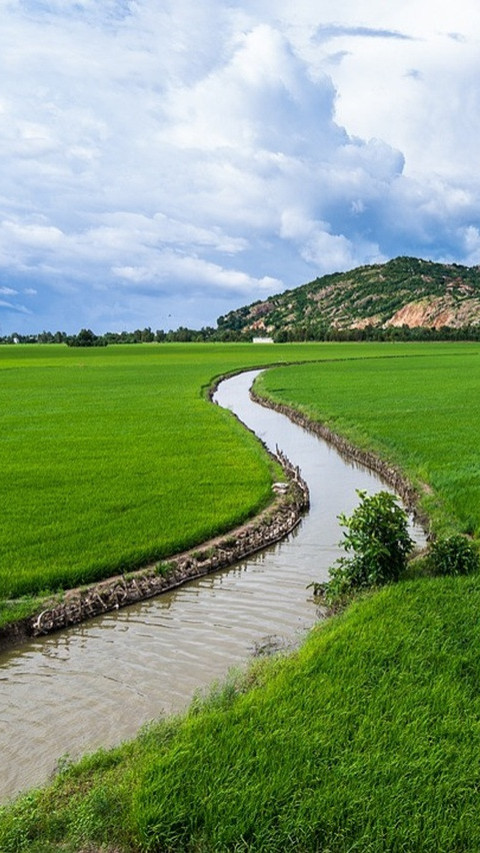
(365, 739)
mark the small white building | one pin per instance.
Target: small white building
(262, 340)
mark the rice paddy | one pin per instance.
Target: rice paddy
(422, 413)
(110, 462)
(113, 458)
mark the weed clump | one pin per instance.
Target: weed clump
(165, 568)
(453, 555)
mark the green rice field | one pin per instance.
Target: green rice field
(112, 458)
(422, 413)
(367, 737)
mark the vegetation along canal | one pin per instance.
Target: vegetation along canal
(95, 684)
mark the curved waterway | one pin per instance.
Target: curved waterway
(95, 684)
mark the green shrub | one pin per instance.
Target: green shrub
(453, 555)
(377, 535)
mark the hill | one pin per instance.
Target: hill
(403, 292)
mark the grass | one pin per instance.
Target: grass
(113, 459)
(422, 413)
(93, 458)
(368, 762)
(365, 739)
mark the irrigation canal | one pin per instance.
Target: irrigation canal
(95, 684)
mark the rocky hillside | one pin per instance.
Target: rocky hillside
(403, 292)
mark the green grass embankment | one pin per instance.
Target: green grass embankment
(365, 739)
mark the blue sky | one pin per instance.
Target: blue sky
(164, 162)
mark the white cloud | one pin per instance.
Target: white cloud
(194, 274)
(222, 150)
(327, 251)
(13, 308)
(34, 236)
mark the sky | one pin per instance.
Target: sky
(164, 162)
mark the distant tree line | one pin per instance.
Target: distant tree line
(378, 333)
(293, 334)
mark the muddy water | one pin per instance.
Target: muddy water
(96, 684)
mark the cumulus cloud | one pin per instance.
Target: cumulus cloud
(194, 273)
(177, 159)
